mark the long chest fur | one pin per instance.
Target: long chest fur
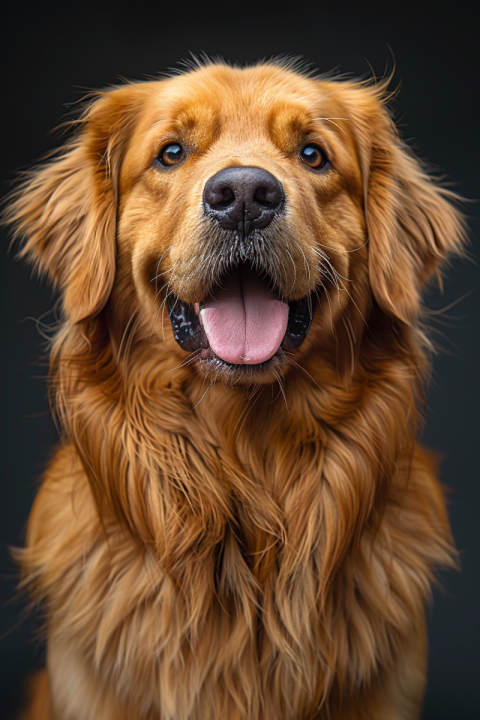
(253, 584)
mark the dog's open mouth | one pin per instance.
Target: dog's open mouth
(242, 321)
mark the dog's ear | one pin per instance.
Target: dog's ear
(413, 223)
(64, 211)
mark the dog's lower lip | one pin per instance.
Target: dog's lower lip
(207, 355)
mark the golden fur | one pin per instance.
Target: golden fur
(205, 545)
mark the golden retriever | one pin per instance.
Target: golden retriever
(239, 523)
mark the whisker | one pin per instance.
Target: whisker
(294, 362)
(184, 271)
(160, 274)
(128, 345)
(337, 249)
(325, 257)
(246, 412)
(158, 267)
(294, 269)
(120, 347)
(162, 308)
(327, 272)
(192, 356)
(281, 386)
(353, 301)
(274, 399)
(307, 266)
(206, 391)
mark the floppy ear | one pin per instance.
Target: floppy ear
(64, 211)
(413, 224)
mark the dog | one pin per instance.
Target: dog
(239, 522)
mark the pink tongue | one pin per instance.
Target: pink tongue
(244, 322)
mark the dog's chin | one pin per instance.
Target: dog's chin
(243, 332)
(210, 367)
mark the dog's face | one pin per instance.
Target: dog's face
(240, 208)
(239, 203)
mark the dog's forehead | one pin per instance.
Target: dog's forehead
(229, 112)
(218, 101)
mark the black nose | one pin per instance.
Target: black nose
(243, 198)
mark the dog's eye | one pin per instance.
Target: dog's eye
(313, 156)
(171, 154)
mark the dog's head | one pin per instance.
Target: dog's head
(263, 212)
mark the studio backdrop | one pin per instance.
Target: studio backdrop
(52, 57)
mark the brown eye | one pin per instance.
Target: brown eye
(313, 156)
(171, 154)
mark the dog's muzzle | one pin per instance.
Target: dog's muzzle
(242, 320)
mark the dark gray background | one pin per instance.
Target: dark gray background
(48, 54)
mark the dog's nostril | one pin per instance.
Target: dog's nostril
(221, 198)
(268, 197)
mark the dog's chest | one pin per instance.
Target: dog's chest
(234, 628)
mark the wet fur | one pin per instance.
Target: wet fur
(202, 551)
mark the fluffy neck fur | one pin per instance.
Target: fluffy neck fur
(284, 538)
